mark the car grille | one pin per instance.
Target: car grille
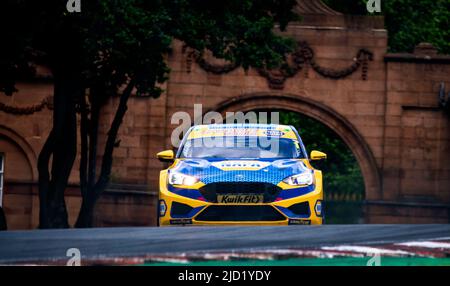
(300, 209)
(240, 213)
(179, 210)
(269, 191)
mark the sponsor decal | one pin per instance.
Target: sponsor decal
(162, 208)
(240, 165)
(318, 208)
(199, 132)
(227, 132)
(181, 221)
(240, 199)
(274, 133)
(299, 221)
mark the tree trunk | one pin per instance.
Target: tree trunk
(84, 126)
(85, 217)
(93, 140)
(44, 180)
(64, 57)
(61, 146)
(85, 162)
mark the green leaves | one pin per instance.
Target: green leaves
(342, 176)
(113, 40)
(409, 22)
(238, 31)
(130, 37)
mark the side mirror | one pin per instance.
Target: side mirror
(317, 155)
(166, 156)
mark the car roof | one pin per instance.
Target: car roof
(243, 125)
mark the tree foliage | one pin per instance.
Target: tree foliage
(341, 173)
(409, 22)
(114, 47)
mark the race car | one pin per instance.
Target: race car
(240, 174)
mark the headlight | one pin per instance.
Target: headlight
(305, 178)
(181, 179)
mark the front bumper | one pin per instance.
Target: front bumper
(197, 212)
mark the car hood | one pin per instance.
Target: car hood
(251, 170)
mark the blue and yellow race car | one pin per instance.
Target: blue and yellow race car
(240, 174)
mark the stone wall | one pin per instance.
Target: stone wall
(416, 169)
(384, 106)
(114, 208)
(358, 98)
(417, 135)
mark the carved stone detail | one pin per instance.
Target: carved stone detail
(16, 110)
(302, 58)
(194, 55)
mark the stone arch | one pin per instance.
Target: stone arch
(322, 113)
(23, 148)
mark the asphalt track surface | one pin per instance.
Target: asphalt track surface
(42, 245)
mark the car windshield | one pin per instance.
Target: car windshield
(242, 147)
